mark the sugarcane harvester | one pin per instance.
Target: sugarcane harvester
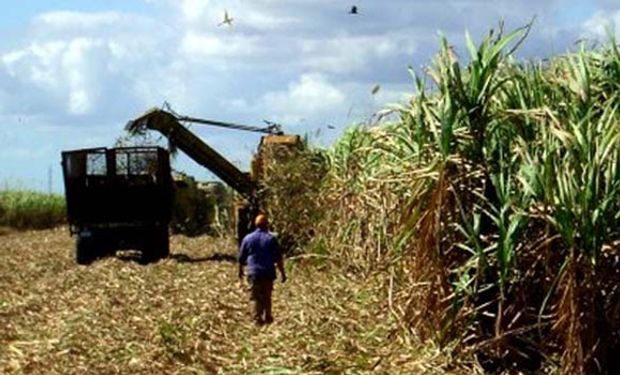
(247, 185)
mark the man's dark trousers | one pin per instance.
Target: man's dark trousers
(261, 295)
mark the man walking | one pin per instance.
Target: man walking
(260, 251)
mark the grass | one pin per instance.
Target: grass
(492, 199)
(21, 209)
(190, 314)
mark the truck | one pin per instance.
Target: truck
(118, 198)
(122, 197)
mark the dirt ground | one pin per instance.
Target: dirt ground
(188, 314)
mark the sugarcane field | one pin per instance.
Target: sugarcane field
(323, 188)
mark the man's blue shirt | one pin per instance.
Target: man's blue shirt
(260, 251)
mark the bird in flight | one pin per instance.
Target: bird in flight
(353, 10)
(375, 89)
(227, 19)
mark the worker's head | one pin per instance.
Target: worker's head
(261, 222)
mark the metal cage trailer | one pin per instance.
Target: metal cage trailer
(118, 198)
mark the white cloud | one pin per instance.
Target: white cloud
(600, 24)
(76, 63)
(79, 64)
(68, 71)
(264, 21)
(103, 63)
(312, 94)
(346, 53)
(206, 14)
(196, 45)
(67, 19)
(194, 10)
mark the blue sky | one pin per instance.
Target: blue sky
(73, 72)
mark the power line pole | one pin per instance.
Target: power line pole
(49, 179)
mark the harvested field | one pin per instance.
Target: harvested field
(189, 314)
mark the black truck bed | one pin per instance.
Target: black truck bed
(128, 186)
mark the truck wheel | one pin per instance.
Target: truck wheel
(157, 246)
(85, 252)
(106, 245)
(162, 246)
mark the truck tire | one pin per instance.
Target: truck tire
(162, 246)
(157, 246)
(85, 251)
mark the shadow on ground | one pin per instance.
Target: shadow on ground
(135, 256)
(217, 257)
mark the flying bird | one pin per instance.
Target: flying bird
(228, 20)
(331, 127)
(353, 10)
(375, 89)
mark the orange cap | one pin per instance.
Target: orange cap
(261, 221)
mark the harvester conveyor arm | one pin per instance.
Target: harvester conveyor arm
(168, 125)
(271, 129)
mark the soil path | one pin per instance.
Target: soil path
(187, 314)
